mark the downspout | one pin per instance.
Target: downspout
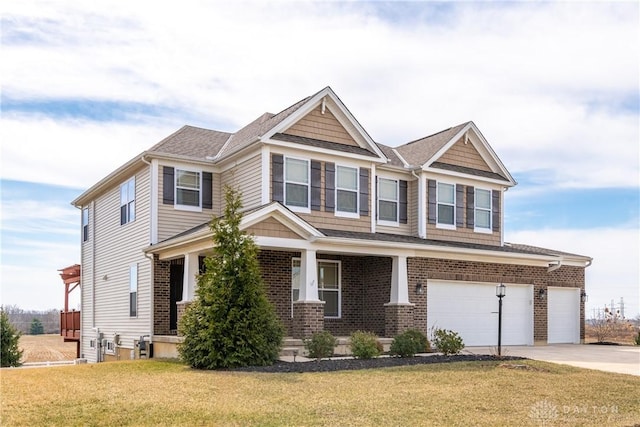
(152, 284)
(554, 267)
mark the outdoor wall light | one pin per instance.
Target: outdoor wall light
(419, 288)
(583, 296)
(542, 294)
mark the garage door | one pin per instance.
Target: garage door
(563, 314)
(471, 309)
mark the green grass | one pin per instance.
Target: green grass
(153, 392)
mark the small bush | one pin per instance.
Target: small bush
(447, 342)
(321, 344)
(409, 343)
(9, 337)
(364, 345)
(636, 339)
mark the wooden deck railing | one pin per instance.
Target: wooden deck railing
(70, 325)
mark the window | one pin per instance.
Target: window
(128, 201)
(446, 204)
(347, 189)
(328, 285)
(483, 210)
(85, 224)
(296, 178)
(387, 200)
(133, 290)
(187, 188)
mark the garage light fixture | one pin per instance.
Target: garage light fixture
(583, 296)
(419, 288)
(542, 293)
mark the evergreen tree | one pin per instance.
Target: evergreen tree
(9, 336)
(230, 323)
(36, 327)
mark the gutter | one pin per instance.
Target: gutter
(554, 267)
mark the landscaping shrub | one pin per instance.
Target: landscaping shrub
(408, 343)
(9, 336)
(321, 344)
(447, 342)
(231, 323)
(364, 345)
(636, 339)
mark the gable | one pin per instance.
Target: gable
(464, 154)
(270, 227)
(321, 125)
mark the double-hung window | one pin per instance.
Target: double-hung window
(482, 210)
(133, 290)
(446, 204)
(85, 224)
(187, 187)
(128, 201)
(296, 180)
(388, 200)
(328, 285)
(347, 190)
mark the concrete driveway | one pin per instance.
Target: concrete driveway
(609, 358)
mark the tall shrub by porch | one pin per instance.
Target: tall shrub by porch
(230, 323)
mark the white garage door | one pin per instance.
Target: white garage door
(471, 309)
(563, 314)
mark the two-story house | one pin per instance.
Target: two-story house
(353, 235)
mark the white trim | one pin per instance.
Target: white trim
(404, 162)
(373, 198)
(181, 207)
(324, 151)
(422, 206)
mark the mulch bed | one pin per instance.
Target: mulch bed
(330, 365)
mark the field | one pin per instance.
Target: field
(619, 333)
(46, 348)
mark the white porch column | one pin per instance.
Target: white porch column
(191, 270)
(399, 281)
(308, 276)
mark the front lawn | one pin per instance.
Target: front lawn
(153, 392)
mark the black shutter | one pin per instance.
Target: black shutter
(123, 214)
(459, 205)
(329, 187)
(167, 185)
(471, 194)
(316, 186)
(431, 185)
(495, 205)
(364, 191)
(207, 190)
(402, 201)
(277, 178)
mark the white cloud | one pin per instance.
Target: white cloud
(615, 271)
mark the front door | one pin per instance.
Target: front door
(176, 276)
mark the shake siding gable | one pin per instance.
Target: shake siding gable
(324, 127)
(461, 154)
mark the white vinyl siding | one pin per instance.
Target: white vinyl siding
(133, 290)
(246, 177)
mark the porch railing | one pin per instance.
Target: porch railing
(70, 325)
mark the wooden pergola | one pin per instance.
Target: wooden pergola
(70, 320)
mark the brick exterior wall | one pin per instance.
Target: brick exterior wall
(182, 307)
(399, 318)
(161, 297)
(308, 318)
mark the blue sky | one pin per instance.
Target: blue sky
(553, 86)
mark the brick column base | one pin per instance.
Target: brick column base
(182, 307)
(397, 319)
(308, 318)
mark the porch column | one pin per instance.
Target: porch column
(191, 270)
(308, 311)
(398, 312)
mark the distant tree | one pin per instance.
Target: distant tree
(36, 327)
(230, 323)
(9, 336)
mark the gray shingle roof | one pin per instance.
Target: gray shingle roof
(418, 152)
(468, 171)
(394, 160)
(323, 144)
(194, 142)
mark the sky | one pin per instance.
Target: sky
(553, 87)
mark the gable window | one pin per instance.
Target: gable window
(187, 188)
(128, 201)
(85, 224)
(387, 200)
(296, 180)
(347, 190)
(133, 290)
(482, 210)
(329, 289)
(446, 204)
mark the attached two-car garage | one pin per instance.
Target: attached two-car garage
(471, 309)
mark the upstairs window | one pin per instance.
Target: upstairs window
(296, 180)
(187, 188)
(483, 210)
(133, 290)
(388, 200)
(85, 224)
(347, 190)
(446, 204)
(128, 201)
